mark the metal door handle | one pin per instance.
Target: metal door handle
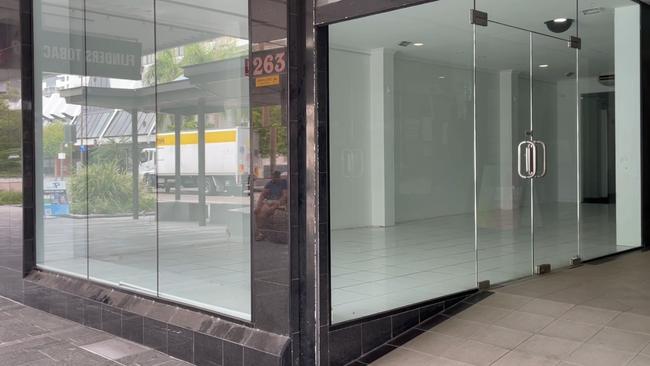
(531, 159)
(543, 145)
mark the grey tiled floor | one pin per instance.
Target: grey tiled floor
(30, 337)
(378, 269)
(594, 315)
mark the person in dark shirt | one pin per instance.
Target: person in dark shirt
(273, 198)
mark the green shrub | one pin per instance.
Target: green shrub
(108, 191)
(10, 198)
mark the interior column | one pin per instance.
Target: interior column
(382, 137)
(508, 114)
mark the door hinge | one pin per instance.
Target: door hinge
(575, 42)
(484, 285)
(543, 268)
(478, 17)
(575, 261)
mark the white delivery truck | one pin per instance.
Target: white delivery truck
(227, 160)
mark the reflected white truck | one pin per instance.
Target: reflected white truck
(227, 160)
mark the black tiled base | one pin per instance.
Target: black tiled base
(366, 340)
(191, 336)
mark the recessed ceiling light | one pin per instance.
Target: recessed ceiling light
(418, 44)
(543, 66)
(441, 77)
(560, 20)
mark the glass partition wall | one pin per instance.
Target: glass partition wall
(144, 147)
(462, 153)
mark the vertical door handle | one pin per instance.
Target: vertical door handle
(530, 161)
(543, 146)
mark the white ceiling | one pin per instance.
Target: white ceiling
(443, 26)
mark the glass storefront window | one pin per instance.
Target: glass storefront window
(145, 144)
(401, 158)
(462, 155)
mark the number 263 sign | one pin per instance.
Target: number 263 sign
(267, 63)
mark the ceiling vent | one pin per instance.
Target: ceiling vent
(607, 80)
(593, 11)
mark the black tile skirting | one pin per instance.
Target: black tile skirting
(360, 342)
(192, 336)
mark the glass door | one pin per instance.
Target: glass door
(526, 150)
(555, 125)
(503, 209)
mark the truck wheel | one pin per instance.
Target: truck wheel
(211, 187)
(151, 181)
(219, 186)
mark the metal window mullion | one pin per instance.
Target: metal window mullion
(532, 183)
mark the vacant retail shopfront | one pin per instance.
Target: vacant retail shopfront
(473, 143)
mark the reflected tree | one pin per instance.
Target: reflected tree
(10, 139)
(267, 121)
(169, 66)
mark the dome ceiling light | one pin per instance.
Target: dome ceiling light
(559, 25)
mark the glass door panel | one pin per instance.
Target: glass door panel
(526, 155)
(502, 118)
(555, 189)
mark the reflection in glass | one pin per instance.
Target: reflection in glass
(10, 137)
(61, 131)
(145, 138)
(118, 127)
(201, 160)
(270, 180)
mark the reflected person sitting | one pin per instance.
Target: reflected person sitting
(272, 199)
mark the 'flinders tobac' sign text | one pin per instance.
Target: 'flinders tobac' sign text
(91, 56)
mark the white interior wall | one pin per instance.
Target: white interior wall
(434, 134)
(566, 143)
(627, 126)
(432, 144)
(433, 138)
(349, 139)
(560, 148)
(489, 137)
